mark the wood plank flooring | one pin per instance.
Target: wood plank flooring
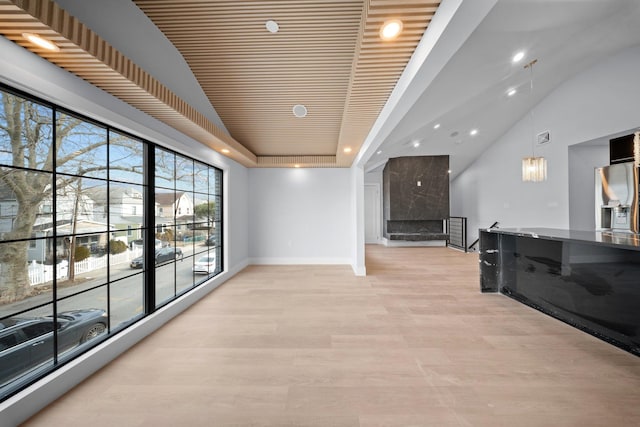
(414, 343)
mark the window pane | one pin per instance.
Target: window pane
(27, 211)
(126, 158)
(26, 274)
(201, 178)
(217, 211)
(165, 169)
(26, 136)
(76, 205)
(127, 300)
(184, 208)
(81, 319)
(30, 347)
(166, 207)
(82, 147)
(165, 282)
(184, 277)
(126, 206)
(204, 266)
(215, 181)
(90, 262)
(184, 173)
(217, 252)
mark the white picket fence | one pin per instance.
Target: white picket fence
(40, 273)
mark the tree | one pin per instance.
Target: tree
(30, 146)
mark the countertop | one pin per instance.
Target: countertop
(616, 239)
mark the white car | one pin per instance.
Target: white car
(205, 265)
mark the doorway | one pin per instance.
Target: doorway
(372, 213)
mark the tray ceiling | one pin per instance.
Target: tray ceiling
(327, 55)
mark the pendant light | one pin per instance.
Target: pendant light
(534, 169)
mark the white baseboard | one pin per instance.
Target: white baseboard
(299, 261)
(418, 244)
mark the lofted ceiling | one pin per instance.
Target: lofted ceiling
(327, 55)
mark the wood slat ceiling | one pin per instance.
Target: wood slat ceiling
(327, 55)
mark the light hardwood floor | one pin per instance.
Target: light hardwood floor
(414, 343)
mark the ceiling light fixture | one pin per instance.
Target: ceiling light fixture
(296, 166)
(391, 29)
(436, 126)
(347, 149)
(534, 169)
(225, 151)
(517, 57)
(299, 110)
(272, 26)
(42, 42)
(416, 144)
(379, 152)
(473, 132)
(511, 92)
(449, 171)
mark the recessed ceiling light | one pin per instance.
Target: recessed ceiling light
(416, 144)
(473, 132)
(379, 152)
(296, 166)
(449, 171)
(436, 126)
(347, 149)
(42, 42)
(391, 29)
(272, 26)
(225, 151)
(511, 92)
(518, 57)
(299, 110)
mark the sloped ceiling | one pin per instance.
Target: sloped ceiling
(327, 55)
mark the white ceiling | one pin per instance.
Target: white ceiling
(468, 91)
(566, 36)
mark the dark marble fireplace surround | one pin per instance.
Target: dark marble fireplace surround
(412, 211)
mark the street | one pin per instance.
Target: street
(126, 290)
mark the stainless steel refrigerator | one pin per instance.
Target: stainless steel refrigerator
(616, 189)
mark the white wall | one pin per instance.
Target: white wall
(300, 216)
(600, 101)
(583, 159)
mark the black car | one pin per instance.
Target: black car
(27, 342)
(162, 255)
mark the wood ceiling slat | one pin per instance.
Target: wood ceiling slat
(253, 77)
(327, 55)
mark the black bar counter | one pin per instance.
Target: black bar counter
(588, 279)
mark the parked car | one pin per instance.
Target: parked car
(211, 241)
(27, 342)
(205, 265)
(162, 255)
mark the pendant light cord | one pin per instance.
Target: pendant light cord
(533, 131)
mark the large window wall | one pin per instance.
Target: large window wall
(98, 228)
